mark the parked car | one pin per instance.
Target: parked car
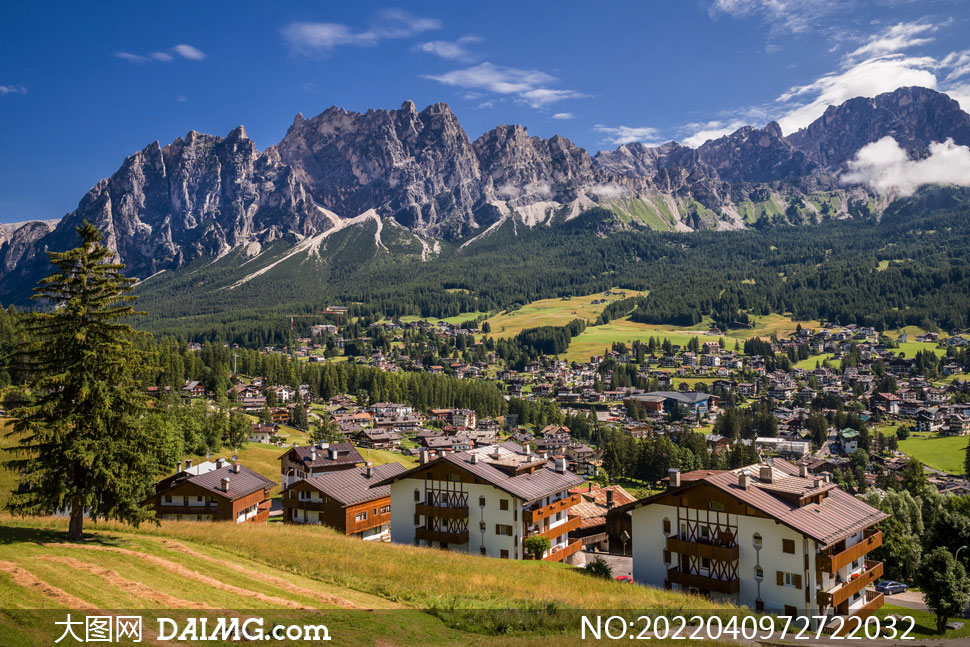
(624, 578)
(889, 587)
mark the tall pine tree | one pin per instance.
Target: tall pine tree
(84, 445)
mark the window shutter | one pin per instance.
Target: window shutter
(781, 578)
(798, 581)
(666, 525)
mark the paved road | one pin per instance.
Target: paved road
(909, 599)
(621, 564)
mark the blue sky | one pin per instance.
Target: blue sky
(83, 87)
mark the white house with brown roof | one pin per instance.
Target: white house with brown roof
(768, 536)
(486, 501)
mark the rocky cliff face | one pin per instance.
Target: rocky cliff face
(203, 195)
(913, 116)
(418, 168)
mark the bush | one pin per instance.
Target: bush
(599, 568)
(537, 545)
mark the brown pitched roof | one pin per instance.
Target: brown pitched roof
(349, 487)
(544, 481)
(347, 455)
(838, 516)
(242, 483)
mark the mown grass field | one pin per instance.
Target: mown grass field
(551, 312)
(381, 457)
(941, 452)
(367, 593)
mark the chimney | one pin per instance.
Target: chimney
(333, 453)
(766, 473)
(219, 463)
(474, 459)
(561, 465)
(178, 467)
(818, 481)
(313, 454)
(188, 463)
(424, 456)
(528, 449)
(225, 484)
(589, 486)
(803, 471)
(674, 474)
(609, 498)
(235, 467)
(743, 480)
(370, 469)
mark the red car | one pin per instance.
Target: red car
(624, 578)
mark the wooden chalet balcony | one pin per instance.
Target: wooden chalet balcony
(441, 512)
(571, 548)
(702, 582)
(441, 536)
(836, 596)
(874, 600)
(538, 514)
(571, 524)
(717, 552)
(306, 504)
(871, 539)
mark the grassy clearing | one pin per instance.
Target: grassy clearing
(259, 457)
(459, 318)
(910, 348)
(809, 364)
(287, 572)
(550, 312)
(941, 452)
(382, 457)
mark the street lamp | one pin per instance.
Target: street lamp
(957, 554)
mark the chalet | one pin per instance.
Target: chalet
(514, 494)
(849, 439)
(212, 491)
(344, 500)
(262, 432)
(193, 389)
(378, 438)
(311, 460)
(767, 536)
(928, 419)
(595, 501)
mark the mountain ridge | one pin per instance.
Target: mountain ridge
(201, 195)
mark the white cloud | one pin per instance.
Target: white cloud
(961, 94)
(783, 16)
(527, 86)
(189, 52)
(12, 89)
(448, 49)
(864, 79)
(533, 189)
(894, 39)
(618, 135)
(608, 191)
(308, 38)
(183, 50)
(564, 115)
(701, 132)
(886, 168)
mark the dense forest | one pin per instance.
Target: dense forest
(910, 267)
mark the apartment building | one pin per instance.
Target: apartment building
(212, 491)
(300, 462)
(767, 536)
(344, 500)
(487, 501)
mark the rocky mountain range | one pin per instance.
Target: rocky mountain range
(203, 196)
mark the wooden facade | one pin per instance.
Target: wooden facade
(332, 513)
(191, 502)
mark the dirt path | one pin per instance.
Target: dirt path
(268, 579)
(182, 571)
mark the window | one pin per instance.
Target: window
(504, 554)
(503, 529)
(168, 498)
(503, 504)
(361, 516)
(417, 494)
(715, 505)
(666, 526)
(385, 509)
(705, 532)
(481, 526)
(788, 546)
(481, 550)
(453, 477)
(375, 512)
(481, 501)
(706, 562)
(757, 540)
(417, 520)
(789, 579)
(790, 610)
(666, 556)
(759, 572)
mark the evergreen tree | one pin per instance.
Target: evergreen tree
(945, 585)
(84, 445)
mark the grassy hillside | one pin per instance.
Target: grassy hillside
(551, 312)
(941, 452)
(284, 571)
